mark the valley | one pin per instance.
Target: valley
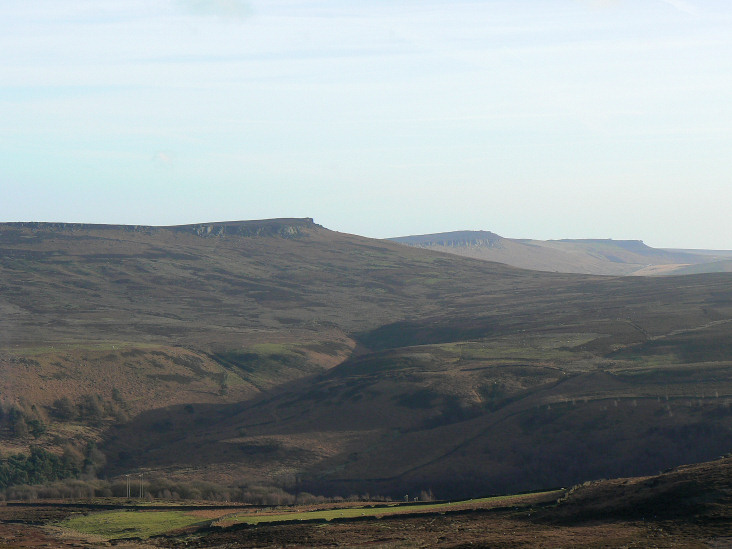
(278, 359)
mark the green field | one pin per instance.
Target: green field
(131, 524)
(391, 509)
(141, 523)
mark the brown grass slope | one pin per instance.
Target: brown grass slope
(692, 493)
(281, 352)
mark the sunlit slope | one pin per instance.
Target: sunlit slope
(213, 284)
(219, 312)
(221, 285)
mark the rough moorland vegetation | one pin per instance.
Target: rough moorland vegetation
(279, 354)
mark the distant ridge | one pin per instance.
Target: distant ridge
(585, 256)
(635, 245)
(454, 238)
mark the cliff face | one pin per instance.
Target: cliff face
(285, 228)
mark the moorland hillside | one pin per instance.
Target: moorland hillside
(283, 353)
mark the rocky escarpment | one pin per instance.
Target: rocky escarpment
(285, 228)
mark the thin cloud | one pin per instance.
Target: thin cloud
(230, 9)
(599, 4)
(682, 5)
(163, 158)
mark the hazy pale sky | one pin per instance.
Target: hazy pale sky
(538, 118)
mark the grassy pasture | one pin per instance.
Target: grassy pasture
(131, 524)
(390, 509)
(685, 507)
(141, 523)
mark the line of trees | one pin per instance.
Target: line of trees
(90, 408)
(39, 467)
(37, 478)
(22, 421)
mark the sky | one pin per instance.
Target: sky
(532, 119)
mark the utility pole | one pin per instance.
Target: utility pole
(141, 489)
(127, 477)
